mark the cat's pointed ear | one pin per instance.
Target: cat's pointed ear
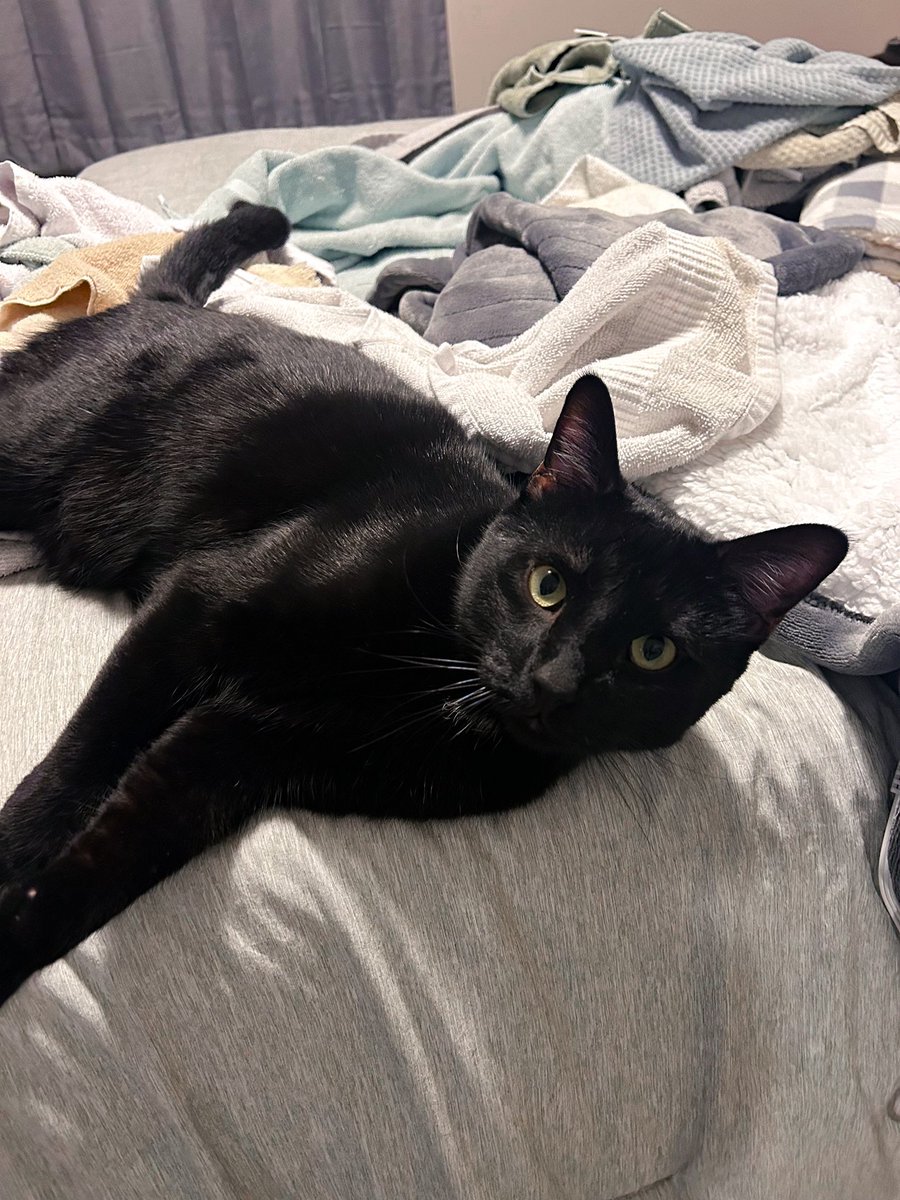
(582, 455)
(775, 569)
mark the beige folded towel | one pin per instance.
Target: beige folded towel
(83, 282)
(874, 132)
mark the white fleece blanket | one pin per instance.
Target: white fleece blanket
(830, 451)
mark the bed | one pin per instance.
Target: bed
(674, 976)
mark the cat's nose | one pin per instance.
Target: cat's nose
(553, 686)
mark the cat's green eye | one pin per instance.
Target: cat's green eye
(653, 653)
(546, 587)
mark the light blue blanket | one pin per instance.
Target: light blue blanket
(359, 209)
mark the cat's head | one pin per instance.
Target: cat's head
(599, 620)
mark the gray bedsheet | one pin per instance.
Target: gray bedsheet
(671, 978)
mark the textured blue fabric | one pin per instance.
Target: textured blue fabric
(699, 102)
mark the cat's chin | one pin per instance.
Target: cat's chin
(534, 735)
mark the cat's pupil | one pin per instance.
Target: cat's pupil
(549, 584)
(653, 647)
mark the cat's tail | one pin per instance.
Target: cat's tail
(203, 259)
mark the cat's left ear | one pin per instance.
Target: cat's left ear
(582, 455)
(775, 569)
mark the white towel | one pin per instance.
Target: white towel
(681, 328)
(593, 183)
(81, 211)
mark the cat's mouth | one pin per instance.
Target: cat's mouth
(533, 729)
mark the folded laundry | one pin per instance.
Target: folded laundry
(875, 131)
(698, 102)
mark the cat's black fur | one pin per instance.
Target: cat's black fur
(333, 585)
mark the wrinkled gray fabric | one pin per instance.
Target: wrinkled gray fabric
(520, 259)
(762, 188)
(673, 978)
(412, 293)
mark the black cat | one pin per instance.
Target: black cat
(344, 604)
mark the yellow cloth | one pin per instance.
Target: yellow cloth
(82, 282)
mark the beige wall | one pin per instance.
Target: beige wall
(485, 33)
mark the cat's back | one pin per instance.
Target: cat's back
(151, 376)
(174, 349)
(161, 428)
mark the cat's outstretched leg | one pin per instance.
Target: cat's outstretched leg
(159, 669)
(196, 784)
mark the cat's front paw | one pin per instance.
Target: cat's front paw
(16, 901)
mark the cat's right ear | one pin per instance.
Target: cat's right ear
(582, 456)
(775, 569)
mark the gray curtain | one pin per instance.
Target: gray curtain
(83, 79)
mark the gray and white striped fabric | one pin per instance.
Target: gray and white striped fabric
(864, 202)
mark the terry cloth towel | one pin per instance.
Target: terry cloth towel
(699, 102)
(876, 131)
(866, 203)
(764, 190)
(32, 253)
(354, 206)
(519, 260)
(828, 452)
(11, 275)
(681, 328)
(82, 282)
(530, 83)
(76, 209)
